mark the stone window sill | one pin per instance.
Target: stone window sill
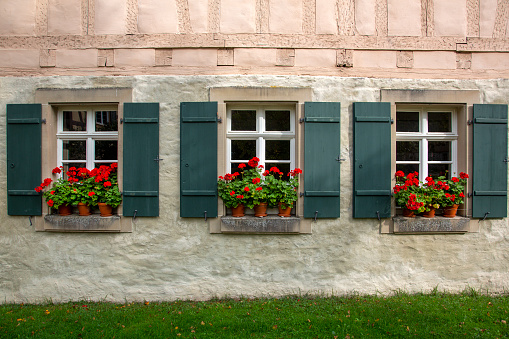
(76, 223)
(271, 224)
(436, 225)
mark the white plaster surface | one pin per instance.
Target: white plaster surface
(365, 17)
(168, 258)
(285, 16)
(404, 17)
(155, 16)
(450, 18)
(17, 17)
(64, 17)
(110, 16)
(238, 16)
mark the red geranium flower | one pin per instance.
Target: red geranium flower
(274, 169)
(38, 189)
(246, 189)
(107, 184)
(91, 193)
(50, 203)
(259, 188)
(399, 174)
(240, 197)
(455, 179)
(256, 180)
(242, 165)
(56, 170)
(463, 175)
(232, 193)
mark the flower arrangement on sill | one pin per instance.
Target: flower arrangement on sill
(454, 194)
(251, 187)
(408, 192)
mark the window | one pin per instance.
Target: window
(426, 140)
(87, 136)
(266, 131)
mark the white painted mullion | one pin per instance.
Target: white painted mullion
(292, 153)
(423, 170)
(454, 158)
(90, 153)
(228, 155)
(260, 147)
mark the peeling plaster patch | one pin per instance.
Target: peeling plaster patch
(285, 57)
(164, 56)
(344, 58)
(225, 57)
(105, 58)
(463, 60)
(405, 59)
(47, 58)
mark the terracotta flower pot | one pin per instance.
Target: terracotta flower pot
(284, 211)
(105, 209)
(84, 209)
(450, 211)
(238, 211)
(429, 214)
(408, 213)
(260, 210)
(64, 210)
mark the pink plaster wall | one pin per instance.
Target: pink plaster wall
(19, 58)
(376, 59)
(285, 16)
(450, 17)
(238, 16)
(404, 17)
(60, 9)
(365, 17)
(435, 60)
(17, 17)
(110, 17)
(76, 58)
(155, 16)
(194, 57)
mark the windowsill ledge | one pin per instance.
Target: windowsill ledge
(271, 224)
(436, 225)
(76, 223)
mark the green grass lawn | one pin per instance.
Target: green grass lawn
(440, 315)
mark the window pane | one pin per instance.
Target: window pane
(106, 150)
(407, 150)
(436, 170)
(74, 150)
(106, 121)
(243, 120)
(277, 120)
(243, 149)
(277, 149)
(439, 150)
(407, 168)
(407, 121)
(285, 168)
(75, 121)
(439, 122)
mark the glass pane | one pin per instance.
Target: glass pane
(243, 120)
(277, 149)
(106, 121)
(407, 121)
(439, 122)
(106, 149)
(439, 150)
(407, 150)
(74, 150)
(243, 149)
(436, 170)
(285, 168)
(407, 168)
(277, 120)
(75, 121)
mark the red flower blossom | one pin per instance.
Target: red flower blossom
(297, 171)
(50, 203)
(462, 195)
(91, 193)
(463, 175)
(256, 180)
(56, 170)
(38, 189)
(274, 169)
(399, 174)
(107, 184)
(259, 188)
(242, 165)
(455, 179)
(260, 166)
(266, 173)
(253, 162)
(232, 193)
(240, 197)
(46, 182)
(52, 192)
(220, 177)
(114, 166)
(236, 174)
(246, 189)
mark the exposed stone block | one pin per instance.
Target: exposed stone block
(285, 57)
(344, 58)
(405, 59)
(156, 16)
(17, 17)
(435, 59)
(450, 18)
(105, 58)
(238, 16)
(269, 224)
(225, 57)
(47, 58)
(404, 17)
(285, 16)
(64, 17)
(76, 58)
(164, 56)
(422, 225)
(463, 60)
(76, 223)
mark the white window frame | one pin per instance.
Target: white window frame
(90, 135)
(261, 135)
(423, 136)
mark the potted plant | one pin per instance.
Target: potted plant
(282, 193)
(409, 194)
(104, 188)
(435, 194)
(454, 193)
(62, 195)
(230, 190)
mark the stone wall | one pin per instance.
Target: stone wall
(458, 39)
(168, 257)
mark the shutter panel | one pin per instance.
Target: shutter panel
(24, 159)
(141, 160)
(372, 165)
(489, 175)
(198, 159)
(322, 138)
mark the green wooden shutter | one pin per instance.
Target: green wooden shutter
(372, 165)
(322, 137)
(141, 160)
(23, 159)
(198, 159)
(489, 175)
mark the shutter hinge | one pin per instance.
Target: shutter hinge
(392, 122)
(43, 121)
(219, 120)
(485, 215)
(338, 159)
(121, 120)
(134, 215)
(158, 159)
(205, 215)
(378, 215)
(469, 195)
(301, 194)
(301, 120)
(470, 122)
(506, 160)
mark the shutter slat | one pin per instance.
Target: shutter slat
(198, 159)
(24, 159)
(322, 146)
(489, 177)
(372, 165)
(140, 170)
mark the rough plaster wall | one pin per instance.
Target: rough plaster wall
(166, 258)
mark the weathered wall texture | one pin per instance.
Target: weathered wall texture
(169, 257)
(84, 37)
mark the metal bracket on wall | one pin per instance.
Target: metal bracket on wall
(134, 215)
(205, 215)
(316, 215)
